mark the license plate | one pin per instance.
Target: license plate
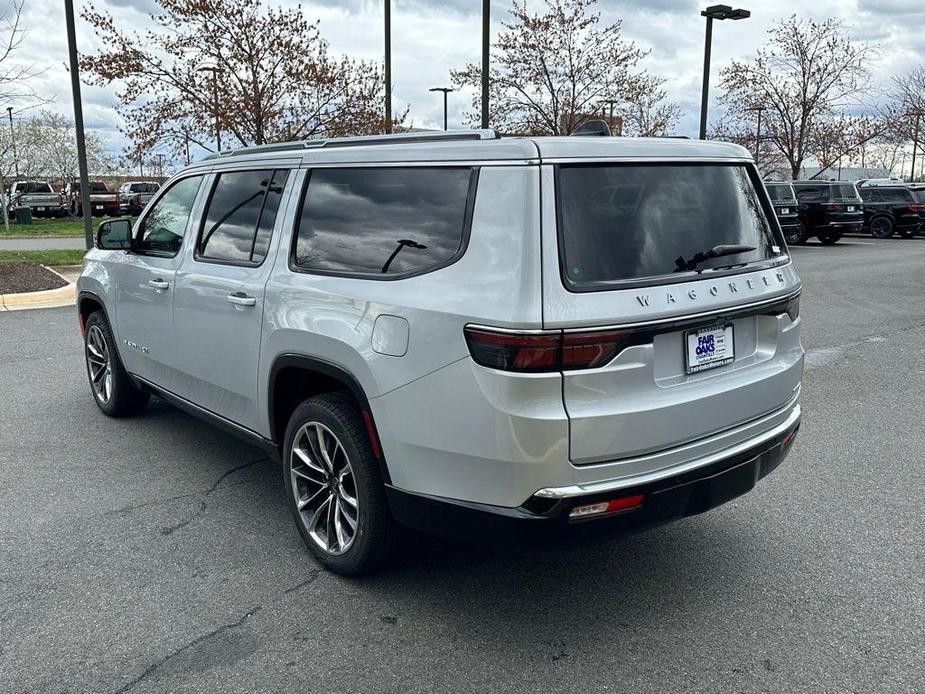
(40, 209)
(785, 210)
(851, 208)
(98, 207)
(709, 348)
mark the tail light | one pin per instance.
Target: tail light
(552, 351)
(917, 207)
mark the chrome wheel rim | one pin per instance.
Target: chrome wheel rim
(324, 488)
(99, 364)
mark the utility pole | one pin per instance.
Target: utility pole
(160, 165)
(214, 69)
(9, 111)
(610, 124)
(915, 140)
(486, 30)
(388, 66)
(759, 110)
(79, 123)
(445, 90)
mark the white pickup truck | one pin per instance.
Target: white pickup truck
(38, 196)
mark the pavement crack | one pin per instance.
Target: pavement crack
(312, 577)
(198, 641)
(171, 529)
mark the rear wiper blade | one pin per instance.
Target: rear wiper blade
(701, 257)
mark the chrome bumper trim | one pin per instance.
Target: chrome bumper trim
(623, 482)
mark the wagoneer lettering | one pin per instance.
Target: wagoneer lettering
(572, 331)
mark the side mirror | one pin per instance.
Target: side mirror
(114, 235)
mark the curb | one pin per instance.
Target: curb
(47, 298)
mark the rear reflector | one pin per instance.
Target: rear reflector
(788, 438)
(599, 508)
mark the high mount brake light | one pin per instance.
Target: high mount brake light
(544, 352)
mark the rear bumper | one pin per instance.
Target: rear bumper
(542, 516)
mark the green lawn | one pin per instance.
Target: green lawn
(49, 257)
(46, 227)
(51, 227)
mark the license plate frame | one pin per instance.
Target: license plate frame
(717, 347)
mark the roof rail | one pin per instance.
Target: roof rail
(362, 140)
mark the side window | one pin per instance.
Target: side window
(240, 216)
(871, 195)
(896, 195)
(161, 230)
(382, 222)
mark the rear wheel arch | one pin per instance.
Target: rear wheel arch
(295, 377)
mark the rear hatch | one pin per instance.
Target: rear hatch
(845, 205)
(677, 304)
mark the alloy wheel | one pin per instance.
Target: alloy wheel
(324, 488)
(99, 364)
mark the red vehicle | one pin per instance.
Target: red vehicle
(103, 201)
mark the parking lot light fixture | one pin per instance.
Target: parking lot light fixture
(215, 70)
(711, 13)
(445, 90)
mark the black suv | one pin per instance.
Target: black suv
(829, 209)
(889, 209)
(785, 204)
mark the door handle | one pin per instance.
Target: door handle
(242, 299)
(158, 283)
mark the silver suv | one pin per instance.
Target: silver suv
(461, 332)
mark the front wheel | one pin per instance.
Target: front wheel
(829, 238)
(335, 488)
(113, 390)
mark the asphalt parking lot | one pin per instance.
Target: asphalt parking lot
(156, 554)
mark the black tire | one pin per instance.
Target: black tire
(376, 533)
(796, 235)
(121, 398)
(829, 238)
(882, 227)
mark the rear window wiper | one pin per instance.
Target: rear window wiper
(701, 257)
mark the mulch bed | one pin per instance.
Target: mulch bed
(23, 277)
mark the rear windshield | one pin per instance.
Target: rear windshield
(844, 191)
(98, 187)
(635, 221)
(33, 187)
(780, 191)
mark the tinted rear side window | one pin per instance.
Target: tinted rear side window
(896, 195)
(240, 216)
(631, 222)
(383, 222)
(919, 194)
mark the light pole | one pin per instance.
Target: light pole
(759, 110)
(214, 69)
(79, 123)
(711, 13)
(160, 165)
(486, 27)
(388, 66)
(445, 90)
(611, 103)
(9, 111)
(915, 139)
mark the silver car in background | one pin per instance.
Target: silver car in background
(482, 335)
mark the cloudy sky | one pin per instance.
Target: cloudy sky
(429, 37)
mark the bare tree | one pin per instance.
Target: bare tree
(271, 68)
(48, 142)
(806, 76)
(906, 111)
(551, 71)
(15, 77)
